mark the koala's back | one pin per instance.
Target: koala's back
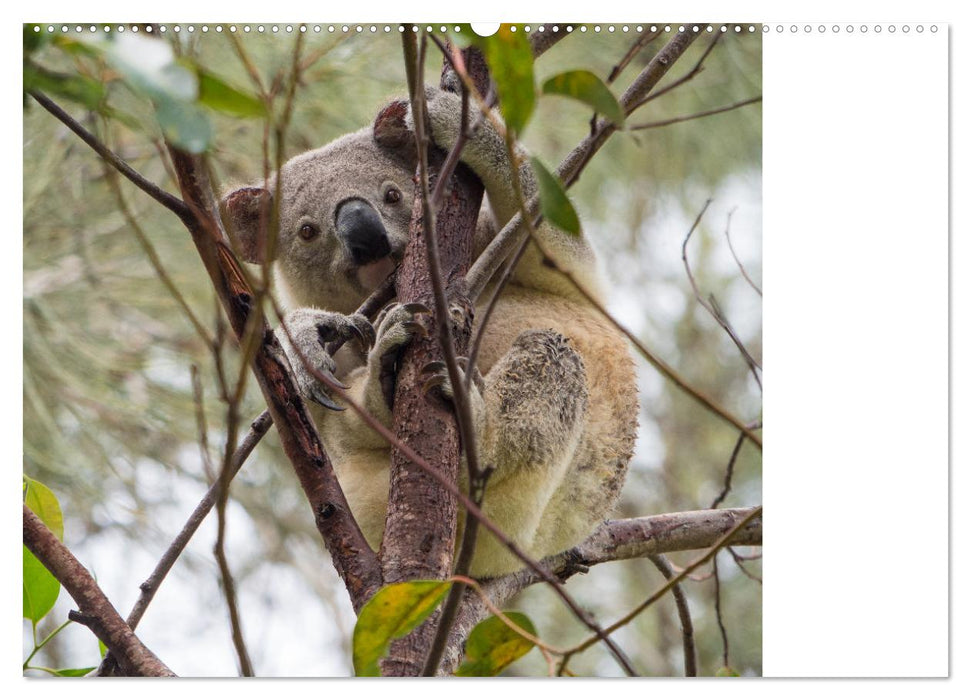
(591, 478)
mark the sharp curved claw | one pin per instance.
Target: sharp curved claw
(415, 328)
(329, 377)
(414, 307)
(324, 400)
(435, 382)
(434, 366)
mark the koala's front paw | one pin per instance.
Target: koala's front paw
(397, 325)
(304, 337)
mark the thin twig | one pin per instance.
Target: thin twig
(698, 67)
(684, 615)
(711, 306)
(643, 40)
(153, 258)
(718, 610)
(258, 428)
(728, 472)
(739, 559)
(728, 237)
(754, 513)
(696, 115)
(97, 612)
(170, 202)
(655, 361)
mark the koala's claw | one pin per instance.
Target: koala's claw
(442, 383)
(354, 326)
(317, 395)
(398, 325)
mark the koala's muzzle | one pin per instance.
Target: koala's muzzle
(363, 232)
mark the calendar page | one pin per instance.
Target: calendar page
(364, 348)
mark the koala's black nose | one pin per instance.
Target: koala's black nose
(361, 229)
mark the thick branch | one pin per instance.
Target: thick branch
(614, 540)
(353, 558)
(419, 537)
(97, 612)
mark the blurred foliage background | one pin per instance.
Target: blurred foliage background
(110, 422)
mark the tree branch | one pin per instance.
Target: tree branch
(353, 558)
(97, 612)
(151, 585)
(615, 540)
(170, 202)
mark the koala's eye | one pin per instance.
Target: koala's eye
(393, 195)
(308, 231)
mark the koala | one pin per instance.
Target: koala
(555, 408)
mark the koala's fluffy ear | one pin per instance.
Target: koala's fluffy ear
(392, 133)
(247, 213)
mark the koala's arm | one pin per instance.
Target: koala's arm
(486, 154)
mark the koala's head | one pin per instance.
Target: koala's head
(344, 215)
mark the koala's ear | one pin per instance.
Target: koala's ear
(247, 213)
(393, 133)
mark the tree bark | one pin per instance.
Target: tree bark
(354, 560)
(96, 611)
(419, 538)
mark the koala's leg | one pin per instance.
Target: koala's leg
(534, 412)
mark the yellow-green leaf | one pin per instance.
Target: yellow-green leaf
(74, 672)
(555, 205)
(586, 87)
(43, 502)
(726, 672)
(393, 612)
(493, 645)
(510, 59)
(40, 587)
(216, 94)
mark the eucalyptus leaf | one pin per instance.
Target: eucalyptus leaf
(40, 587)
(393, 612)
(510, 58)
(586, 87)
(216, 94)
(493, 645)
(74, 672)
(184, 124)
(76, 88)
(555, 205)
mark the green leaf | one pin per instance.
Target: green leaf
(76, 88)
(40, 587)
(184, 124)
(554, 203)
(393, 612)
(222, 97)
(726, 672)
(586, 87)
(33, 40)
(74, 672)
(493, 645)
(149, 66)
(43, 502)
(510, 59)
